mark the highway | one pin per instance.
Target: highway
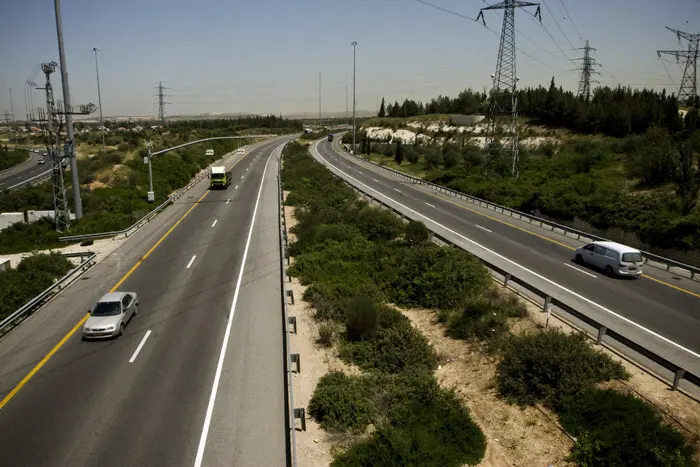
(197, 378)
(661, 302)
(24, 171)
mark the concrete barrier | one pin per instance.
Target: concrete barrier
(9, 218)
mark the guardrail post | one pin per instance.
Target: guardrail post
(294, 358)
(601, 333)
(292, 321)
(300, 413)
(290, 294)
(506, 279)
(547, 309)
(677, 379)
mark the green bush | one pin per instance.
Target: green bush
(325, 334)
(341, 402)
(416, 233)
(379, 224)
(361, 319)
(618, 430)
(551, 367)
(411, 154)
(436, 432)
(11, 158)
(484, 318)
(33, 275)
(396, 346)
(29, 236)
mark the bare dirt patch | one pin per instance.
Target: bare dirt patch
(516, 437)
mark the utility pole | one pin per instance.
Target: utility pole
(99, 99)
(689, 85)
(12, 109)
(151, 194)
(320, 124)
(346, 104)
(501, 152)
(161, 102)
(354, 100)
(70, 138)
(588, 62)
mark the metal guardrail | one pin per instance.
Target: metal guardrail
(549, 302)
(514, 213)
(292, 412)
(171, 199)
(87, 261)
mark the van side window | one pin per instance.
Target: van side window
(612, 254)
(600, 250)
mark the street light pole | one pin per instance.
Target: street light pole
(99, 98)
(70, 143)
(354, 101)
(151, 194)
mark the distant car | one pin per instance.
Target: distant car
(330, 137)
(111, 314)
(42, 162)
(45, 154)
(611, 257)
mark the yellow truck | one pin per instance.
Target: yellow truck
(219, 177)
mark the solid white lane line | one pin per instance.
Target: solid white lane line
(430, 205)
(483, 228)
(138, 349)
(397, 190)
(191, 261)
(227, 334)
(580, 270)
(579, 296)
(215, 221)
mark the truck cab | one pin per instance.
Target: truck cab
(330, 137)
(219, 177)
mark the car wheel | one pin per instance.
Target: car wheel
(121, 329)
(608, 270)
(579, 259)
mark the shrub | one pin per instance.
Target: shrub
(614, 429)
(551, 367)
(388, 150)
(417, 233)
(411, 154)
(433, 277)
(451, 158)
(379, 224)
(436, 432)
(361, 319)
(325, 334)
(341, 402)
(396, 347)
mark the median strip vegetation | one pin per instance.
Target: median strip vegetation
(362, 267)
(11, 157)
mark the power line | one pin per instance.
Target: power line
(558, 25)
(502, 153)
(571, 19)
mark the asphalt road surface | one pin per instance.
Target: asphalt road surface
(197, 378)
(661, 302)
(25, 170)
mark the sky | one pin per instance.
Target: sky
(265, 56)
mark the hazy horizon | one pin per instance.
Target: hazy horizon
(264, 58)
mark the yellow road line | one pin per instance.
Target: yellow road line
(60, 344)
(675, 287)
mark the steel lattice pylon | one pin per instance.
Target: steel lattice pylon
(501, 149)
(60, 198)
(584, 84)
(689, 85)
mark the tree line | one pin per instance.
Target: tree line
(615, 112)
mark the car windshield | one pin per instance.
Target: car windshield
(632, 257)
(106, 309)
(217, 176)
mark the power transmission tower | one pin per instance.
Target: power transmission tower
(501, 151)
(52, 118)
(587, 70)
(161, 101)
(689, 85)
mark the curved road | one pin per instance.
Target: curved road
(197, 378)
(661, 302)
(14, 176)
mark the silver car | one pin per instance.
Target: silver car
(110, 315)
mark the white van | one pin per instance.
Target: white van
(611, 257)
